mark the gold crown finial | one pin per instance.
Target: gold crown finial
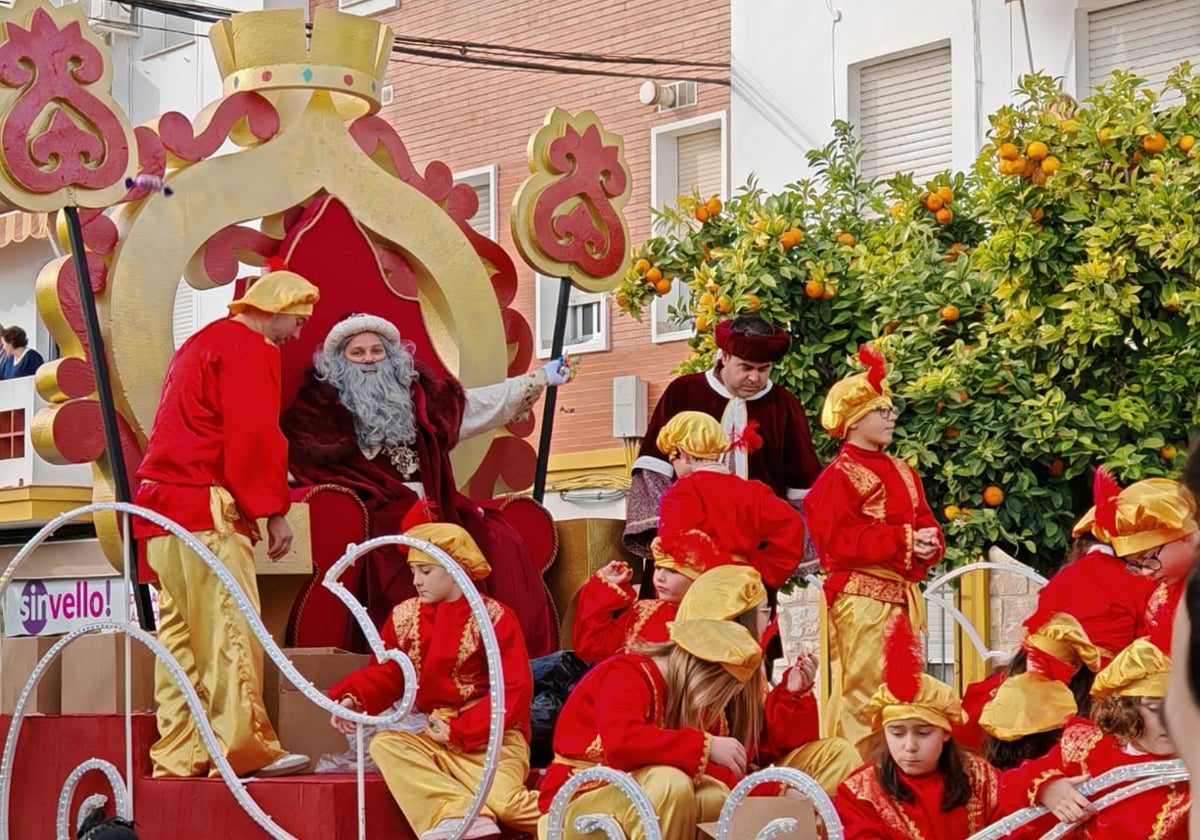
(270, 50)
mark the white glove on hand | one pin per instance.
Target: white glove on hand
(558, 372)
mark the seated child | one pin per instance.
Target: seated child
(923, 785)
(656, 715)
(791, 728)
(1127, 729)
(433, 774)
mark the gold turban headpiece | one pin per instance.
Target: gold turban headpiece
(691, 552)
(696, 433)
(722, 594)
(723, 643)
(852, 398)
(279, 292)
(1144, 515)
(1141, 670)
(906, 691)
(455, 541)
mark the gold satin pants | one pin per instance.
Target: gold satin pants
(855, 663)
(679, 803)
(201, 626)
(432, 782)
(828, 760)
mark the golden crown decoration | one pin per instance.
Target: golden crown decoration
(347, 55)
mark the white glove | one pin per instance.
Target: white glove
(557, 371)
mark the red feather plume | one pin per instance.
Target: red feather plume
(420, 513)
(748, 438)
(276, 263)
(873, 360)
(903, 658)
(1105, 491)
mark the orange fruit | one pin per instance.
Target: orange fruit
(1135, 158)
(1028, 168)
(622, 299)
(846, 239)
(1070, 126)
(641, 267)
(1038, 176)
(653, 275)
(951, 511)
(1105, 136)
(814, 289)
(1051, 164)
(662, 286)
(1055, 468)
(791, 237)
(943, 216)
(713, 206)
(1185, 143)
(724, 304)
(897, 209)
(890, 327)
(992, 495)
(830, 291)
(1037, 213)
(712, 287)
(701, 214)
(706, 300)
(949, 314)
(937, 409)
(1004, 167)
(952, 432)
(752, 302)
(1168, 452)
(702, 323)
(962, 396)
(1036, 150)
(933, 202)
(1008, 151)
(946, 193)
(1154, 143)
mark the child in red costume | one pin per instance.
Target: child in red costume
(433, 774)
(923, 787)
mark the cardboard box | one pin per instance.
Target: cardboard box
(756, 811)
(95, 667)
(302, 726)
(18, 657)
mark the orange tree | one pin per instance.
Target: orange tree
(1036, 313)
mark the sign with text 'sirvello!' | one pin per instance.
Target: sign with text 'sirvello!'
(59, 605)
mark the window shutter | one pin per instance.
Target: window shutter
(905, 120)
(1149, 37)
(481, 222)
(183, 317)
(699, 163)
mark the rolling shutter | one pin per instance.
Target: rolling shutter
(699, 163)
(1149, 37)
(905, 119)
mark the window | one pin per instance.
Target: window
(483, 181)
(686, 157)
(184, 316)
(940, 644)
(12, 434)
(587, 319)
(902, 111)
(367, 7)
(1149, 37)
(161, 32)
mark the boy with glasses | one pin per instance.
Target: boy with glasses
(876, 537)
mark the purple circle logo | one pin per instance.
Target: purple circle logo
(33, 606)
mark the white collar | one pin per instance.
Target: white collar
(715, 383)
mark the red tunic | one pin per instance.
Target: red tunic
(609, 619)
(790, 720)
(444, 644)
(217, 424)
(1160, 613)
(1153, 815)
(868, 813)
(862, 512)
(743, 516)
(615, 717)
(1109, 602)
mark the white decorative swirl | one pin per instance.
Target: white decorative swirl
(603, 822)
(1119, 794)
(798, 781)
(120, 800)
(1130, 772)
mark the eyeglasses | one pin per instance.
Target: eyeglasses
(888, 413)
(1149, 562)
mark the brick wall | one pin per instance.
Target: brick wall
(470, 117)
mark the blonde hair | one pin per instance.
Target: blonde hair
(700, 693)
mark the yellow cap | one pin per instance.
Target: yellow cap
(696, 433)
(1026, 704)
(278, 293)
(1141, 670)
(722, 594)
(723, 643)
(935, 703)
(1149, 513)
(850, 399)
(1062, 637)
(455, 541)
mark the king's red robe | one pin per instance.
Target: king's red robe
(324, 450)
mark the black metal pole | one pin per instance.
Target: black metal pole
(556, 350)
(108, 410)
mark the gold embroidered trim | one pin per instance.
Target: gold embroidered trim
(1078, 742)
(594, 751)
(867, 484)
(869, 586)
(468, 644)
(1174, 811)
(1035, 787)
(406, 621)
(984, 781)
(704, 754)
(865, 785)
(625, 594)
(643, 611)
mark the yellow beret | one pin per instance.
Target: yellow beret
(696, 433)
(935, 703)
(1026, 704)
(850, 400)
(455, 541)
(723, 643)
(1150, 513)
(1141, 670)
(278, 293)
(722, 594)
(1063, 637)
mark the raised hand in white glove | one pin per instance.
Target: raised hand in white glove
(558, 372)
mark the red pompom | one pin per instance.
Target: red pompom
(276, 263)
(420, 513)
(1105, 491)
(873, 360)
(748, 438)
(903, 658)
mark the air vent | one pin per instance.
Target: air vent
(683, 94)
(385, 96)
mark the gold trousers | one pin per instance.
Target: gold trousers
(679, 803)
(201, 626)
(432, 782)
(828, 760)
(855, 663)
